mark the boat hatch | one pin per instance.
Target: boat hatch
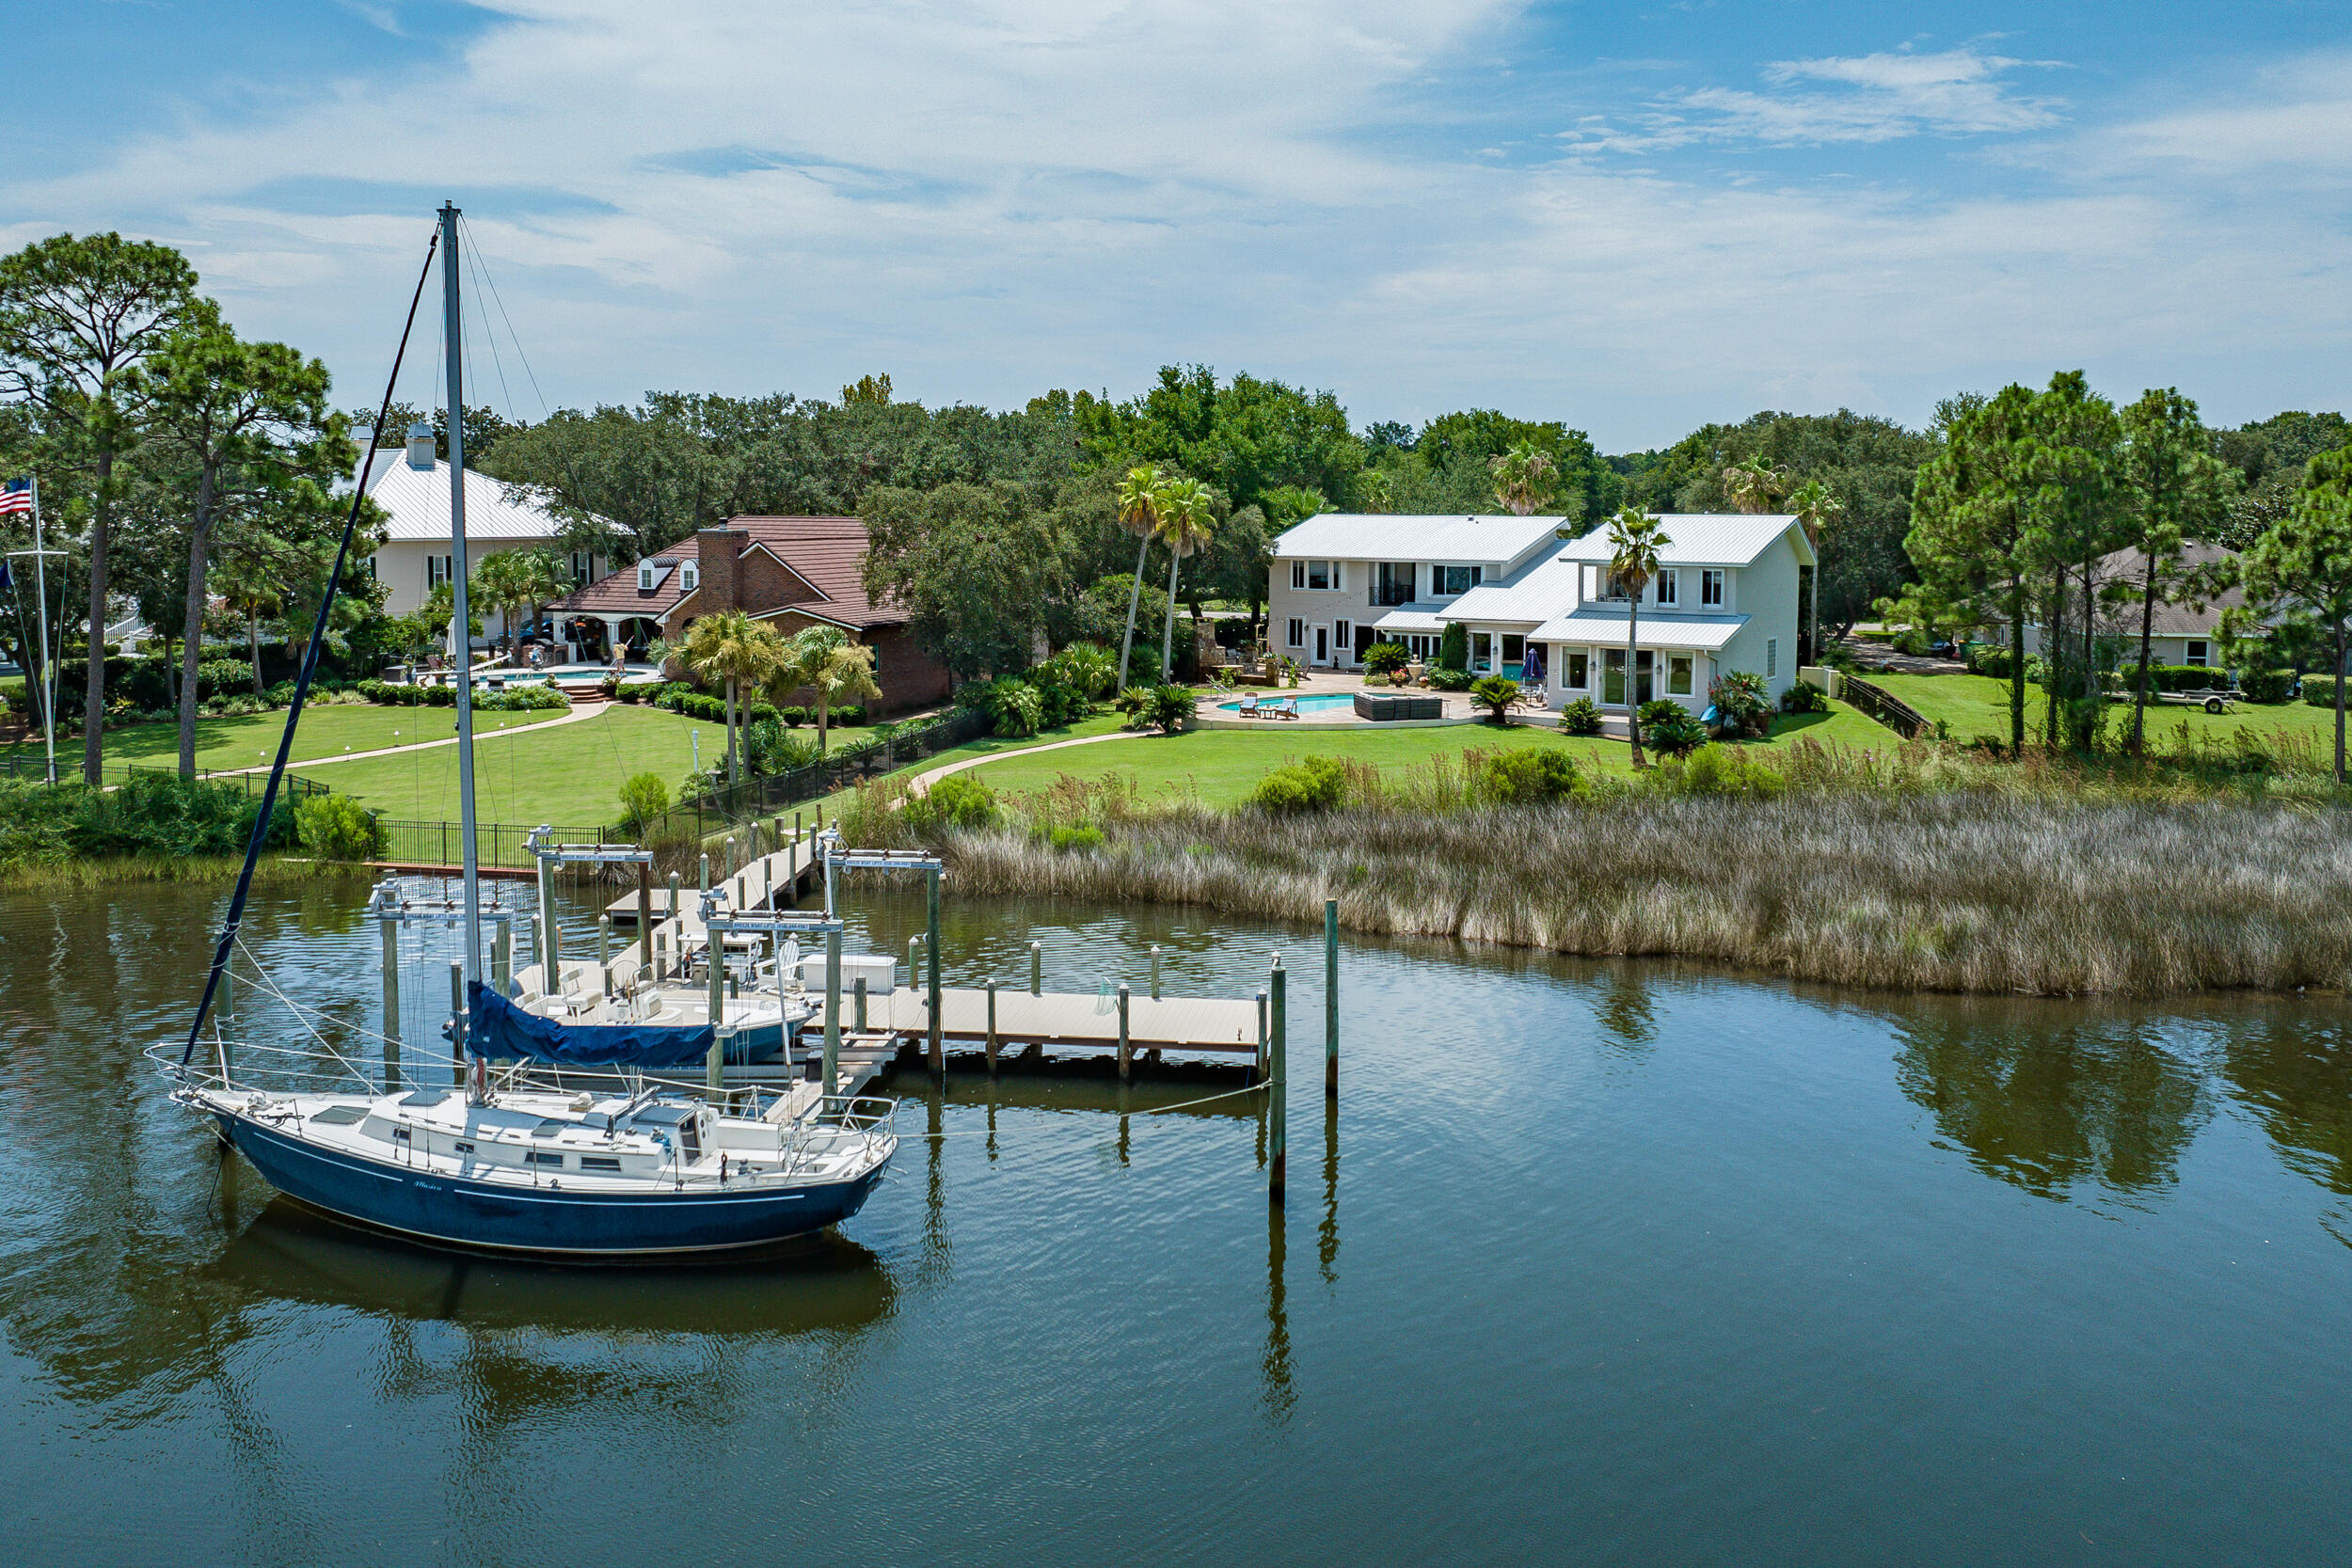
(425, 1097)
(340, 1116)
(551, 1127)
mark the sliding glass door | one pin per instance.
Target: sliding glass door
(1612, 677)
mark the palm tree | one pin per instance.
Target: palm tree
(1815, 508)
(513, 579)
(1526, 478)
(823, 660)
(246, 586)
(1139, 510)
(1753, 486)
(1633, 543)
(729, 645)
(1186, 506)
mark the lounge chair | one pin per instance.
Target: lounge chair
(1281, 707)
(1249, 708)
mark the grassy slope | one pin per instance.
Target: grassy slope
(570, 775)
(252, 740)
(1218, 766)
(1978, 705)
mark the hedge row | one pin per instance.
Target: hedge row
(515, 699)
(678, 697)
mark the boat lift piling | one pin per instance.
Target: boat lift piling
(390, 911)
(1278, 1087)
(1331, 998)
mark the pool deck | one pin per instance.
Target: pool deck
(1458, 707)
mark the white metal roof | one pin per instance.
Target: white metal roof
(1543, 589)
(1705, 539)
(1604, 626)
(1395, 536)
(1410, 618)
(417, 502)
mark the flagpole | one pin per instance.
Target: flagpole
(48, 673)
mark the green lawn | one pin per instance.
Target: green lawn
(1978, 705)
(1219, 767)
(251, 740)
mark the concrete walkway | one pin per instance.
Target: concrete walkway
(921, 783)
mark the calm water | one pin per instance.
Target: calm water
(1593, 1263)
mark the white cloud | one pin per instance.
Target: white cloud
(990, 198)
(1882, 97)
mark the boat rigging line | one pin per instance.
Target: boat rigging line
(302, 683)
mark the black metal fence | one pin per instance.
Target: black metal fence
(498, 844)
(754, 799)
(24, 769)
(1882, 706)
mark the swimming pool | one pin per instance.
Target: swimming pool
(574, 673)
(1320, 702)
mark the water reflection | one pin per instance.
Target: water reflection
(1624, 1009)
(2296, 1076)
(2048, 1108)
(1276, 1395)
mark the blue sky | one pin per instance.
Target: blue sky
(1634, 217)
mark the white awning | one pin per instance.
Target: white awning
(1604, 629)
(1428, 621)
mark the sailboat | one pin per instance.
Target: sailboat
(633, 1169)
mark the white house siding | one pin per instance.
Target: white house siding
(1769, 598)
(1348, 605)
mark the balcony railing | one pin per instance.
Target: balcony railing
(1388, 596)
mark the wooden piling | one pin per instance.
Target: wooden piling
(644, 919)
(1331, 996)
(503, 958)
(860, 1004)
(1037, 969)
(391, 1004)
(718, 1058)
(604, 950)
(706, 865)
(550, 980)
(990, 985)
(1155, 971)
(1259, 1074)
(1278, 1086)
(727, 858)
(833, 1012)
(1126, 1049)
(931, 943)
(678, 940)
(457, 1029)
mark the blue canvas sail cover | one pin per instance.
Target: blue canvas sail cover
(495, 1027)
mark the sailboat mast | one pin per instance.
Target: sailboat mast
(461, 636)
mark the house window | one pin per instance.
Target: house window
(1422, 646)
(1577, 670)
(1318, 575)
(1679, 674)
(1298, 574)
(1297, 638)
(1669, 587)
(1609, 587)
(1710, 589)
(1513, 648)
(1771, 656)
(687, 575)
(644, 577)
(583, 565)
(2199, 652)
(1392, 585)
(1482, 650)
(437, 571)
(1341, 632)
(1451, 580)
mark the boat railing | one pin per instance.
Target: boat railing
(252, 1065)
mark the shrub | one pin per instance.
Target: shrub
(1802, 697)
(1091, 668)
(643, 798)
(1084, 836)
(1582, 716)
(1445, 678)
(1318, 784)
(1742, 707)
(219, 677)
(155, 813)
(2266, 686)
(1387, 658)
(1714, 770)
(1454, 647)
(1013, 705)
(1911, 641)
(1164, 708)
(1527, 777)
(2320, 691)
(338, 828)
(769, 747)
(958, 801)
(1495, 694)
(1671, 728)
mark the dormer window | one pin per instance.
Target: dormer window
(646, 576)
(689, 576)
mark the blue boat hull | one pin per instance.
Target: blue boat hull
(455, 1212)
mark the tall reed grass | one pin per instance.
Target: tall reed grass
(1922, 871)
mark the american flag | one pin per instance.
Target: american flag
(16, 495)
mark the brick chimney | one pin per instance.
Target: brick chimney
(717, 549)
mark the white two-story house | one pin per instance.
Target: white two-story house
(1338, 575)
(1549, 613)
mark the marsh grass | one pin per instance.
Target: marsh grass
(273, 870)
(1918, 868)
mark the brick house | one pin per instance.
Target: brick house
(791, 572)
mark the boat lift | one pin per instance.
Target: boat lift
(540, 842)
(391, 911)
(835, 856)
